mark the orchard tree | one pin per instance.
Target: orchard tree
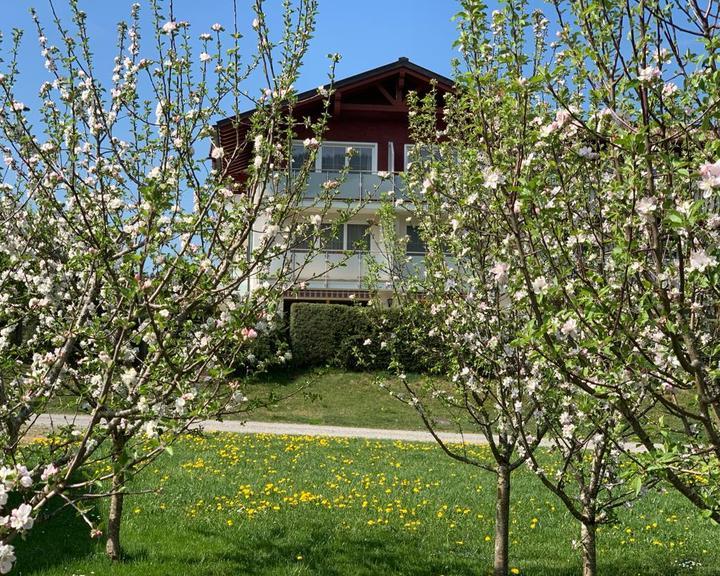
(624, 226)
(585, 467)
(458, 180)
(126, 249)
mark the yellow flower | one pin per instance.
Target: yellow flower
(515, 570)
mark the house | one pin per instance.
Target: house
(369, 113)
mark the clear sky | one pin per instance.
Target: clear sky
(367, 33)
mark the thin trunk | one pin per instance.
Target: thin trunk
(588, 544)
(112, 546)
(502, 521)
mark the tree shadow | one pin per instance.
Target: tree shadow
(322, 553)
(60, 537)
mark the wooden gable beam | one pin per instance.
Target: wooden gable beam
(387, 95)
(400, 86)
(401, 107)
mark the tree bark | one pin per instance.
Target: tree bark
(112, 546)
(502, 521)
(588, 546)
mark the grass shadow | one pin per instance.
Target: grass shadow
(61, 537)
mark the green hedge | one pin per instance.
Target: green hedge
(319, 331)
(363, 338)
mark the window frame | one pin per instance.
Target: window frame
(318, 156)
(344, 231)
(407, 233)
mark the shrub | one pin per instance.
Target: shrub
(364, 338)
(270, 351)
(319, 332)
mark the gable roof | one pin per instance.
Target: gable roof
(351, 82)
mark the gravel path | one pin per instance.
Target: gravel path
(48, 421)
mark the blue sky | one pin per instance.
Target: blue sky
(366, 33)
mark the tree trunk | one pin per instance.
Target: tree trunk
(112, 546)
(502, 521)
(588, 545)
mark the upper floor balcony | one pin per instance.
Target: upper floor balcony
(353, 186)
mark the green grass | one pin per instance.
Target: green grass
(331, 397)
(280, 505)
(338, 398)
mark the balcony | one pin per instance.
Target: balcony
(356, 186)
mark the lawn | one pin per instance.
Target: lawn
(329, 396)
(281, 505)
(338, 398)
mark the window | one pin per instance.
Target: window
(421, 152)
(354, 237)
(333, 237)
(300, 155)
(333, 157)
(358, 237)
(415, 244)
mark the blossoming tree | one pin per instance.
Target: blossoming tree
(125, 250)
(460, 183)
(626, 227)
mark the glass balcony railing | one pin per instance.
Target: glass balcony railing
(358, 186)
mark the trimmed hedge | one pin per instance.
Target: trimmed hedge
(363, 338)
(319, 331)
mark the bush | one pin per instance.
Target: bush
(270, 351)
(320, 332)
(364, 338)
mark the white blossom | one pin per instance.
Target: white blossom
(21, 519)
(646, 206)
(649, 74)
(169, 27)
(7, 557)
(540, 285)
(701, 261)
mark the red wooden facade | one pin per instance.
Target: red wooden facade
(367, 107)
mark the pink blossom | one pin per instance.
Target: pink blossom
(710, 175)
(500, 272)
(248, 333)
